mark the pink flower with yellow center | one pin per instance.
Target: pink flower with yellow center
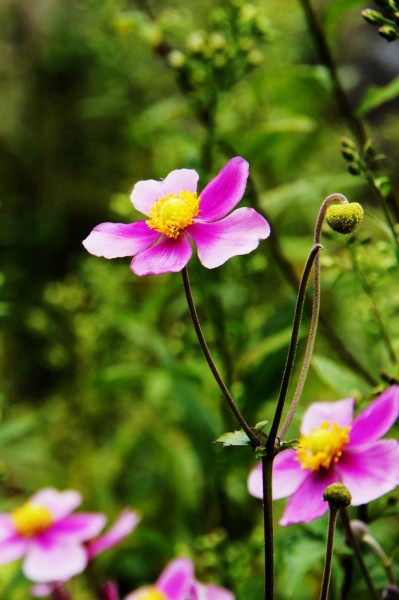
(176, 214)
(335, 447)
(49, 537)
(177, 582)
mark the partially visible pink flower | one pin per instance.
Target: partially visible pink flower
(333, 447)
(175, 214)
(49, 537)
(125, 523)
(177, 582)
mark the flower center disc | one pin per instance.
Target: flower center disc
(30, 520)
(322, 446)
(172, 213)
(148, 593)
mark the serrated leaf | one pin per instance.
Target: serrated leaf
(377, 95)
(233, 438)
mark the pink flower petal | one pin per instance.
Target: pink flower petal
(370, 472)
(288, 475)
(79, 527)
(225, 191)
(307, 502)
(116, 240)
(211, 592)
(168, 256)
(7, 528)
(146, 193)
(126, 522)
(51, 560)
(176, 579)
(239, 233)
(255, 483)
(13, 549)
(60, 504)
(340, 412)
(375, 420)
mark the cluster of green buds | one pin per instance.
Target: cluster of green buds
(228, 51)
(388, 25)
(363, 162)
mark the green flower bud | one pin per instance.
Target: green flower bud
(388, 33)
(354, 168)
(337, 496)
(369, 149)
(347, 143)
(344, 218)
(373, 17)
(349, 153)
(176, 59)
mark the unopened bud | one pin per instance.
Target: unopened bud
(349, 153)
(391, 592)
(337, 496)
(373, 17)
(347, 143)
(354, 168)
(368, 149)
(176, 59)
(388, 33)
(344, 218)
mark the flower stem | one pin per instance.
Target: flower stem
(355, 546)
(270, 444)
(315, 313)
(379, 551)
(197, 326)
(332, 521)
(267, 470)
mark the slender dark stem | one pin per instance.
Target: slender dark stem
(267, 469)
(292, 349)
(197, 326)
(332, 521)
(355, 546)
(379, 551)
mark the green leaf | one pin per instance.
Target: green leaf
(336, 376)
(233, 438)
(377, 95)
(261, 425)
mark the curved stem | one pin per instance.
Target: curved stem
(355, 546)
(292, 349)
(379, 551)
(315, 313)
(332, 521)
(197, 326)
(267, 470)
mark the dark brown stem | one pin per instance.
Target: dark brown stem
(332, 521)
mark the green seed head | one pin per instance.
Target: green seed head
(344, 218)
(337, 496)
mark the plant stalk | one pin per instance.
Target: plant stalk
(332, 521)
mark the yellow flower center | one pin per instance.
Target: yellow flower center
(172, 213)
(148, 593)
(31, 520)
(322, 446)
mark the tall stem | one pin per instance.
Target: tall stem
(292, 349)
(267, 469)
(332, 521)
(204, 346)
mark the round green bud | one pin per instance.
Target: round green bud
(388, 33)
(337, 496)
(344, 218)
(373, 17)
(353, 168)
(347, 143)
(176, 59)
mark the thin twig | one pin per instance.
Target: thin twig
(332, 521)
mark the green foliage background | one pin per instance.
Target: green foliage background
(103, 386)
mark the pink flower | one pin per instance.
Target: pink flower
(175, 214)
(333, 447)
(177, 582)
(49, 537)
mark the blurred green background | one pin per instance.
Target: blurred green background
(103, 386)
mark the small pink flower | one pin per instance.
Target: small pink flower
(175, 214)
(49, 537)
(177, 582)
(333, 447)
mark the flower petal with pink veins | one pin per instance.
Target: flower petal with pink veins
(375, 420)
(116, 240)
(237, 234)
(307, 502)
(340, 412)
(146, 193)
(60, 504)
(78, 528)
(225, 191)
(176, 579)
(53, 560)
(288, 475)
(126, 522)
(168, 256)
(370, 472)
(13, 549)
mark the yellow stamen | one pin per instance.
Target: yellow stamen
(172, 213)
(147, 593)
(322, 446)
(30, 520)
